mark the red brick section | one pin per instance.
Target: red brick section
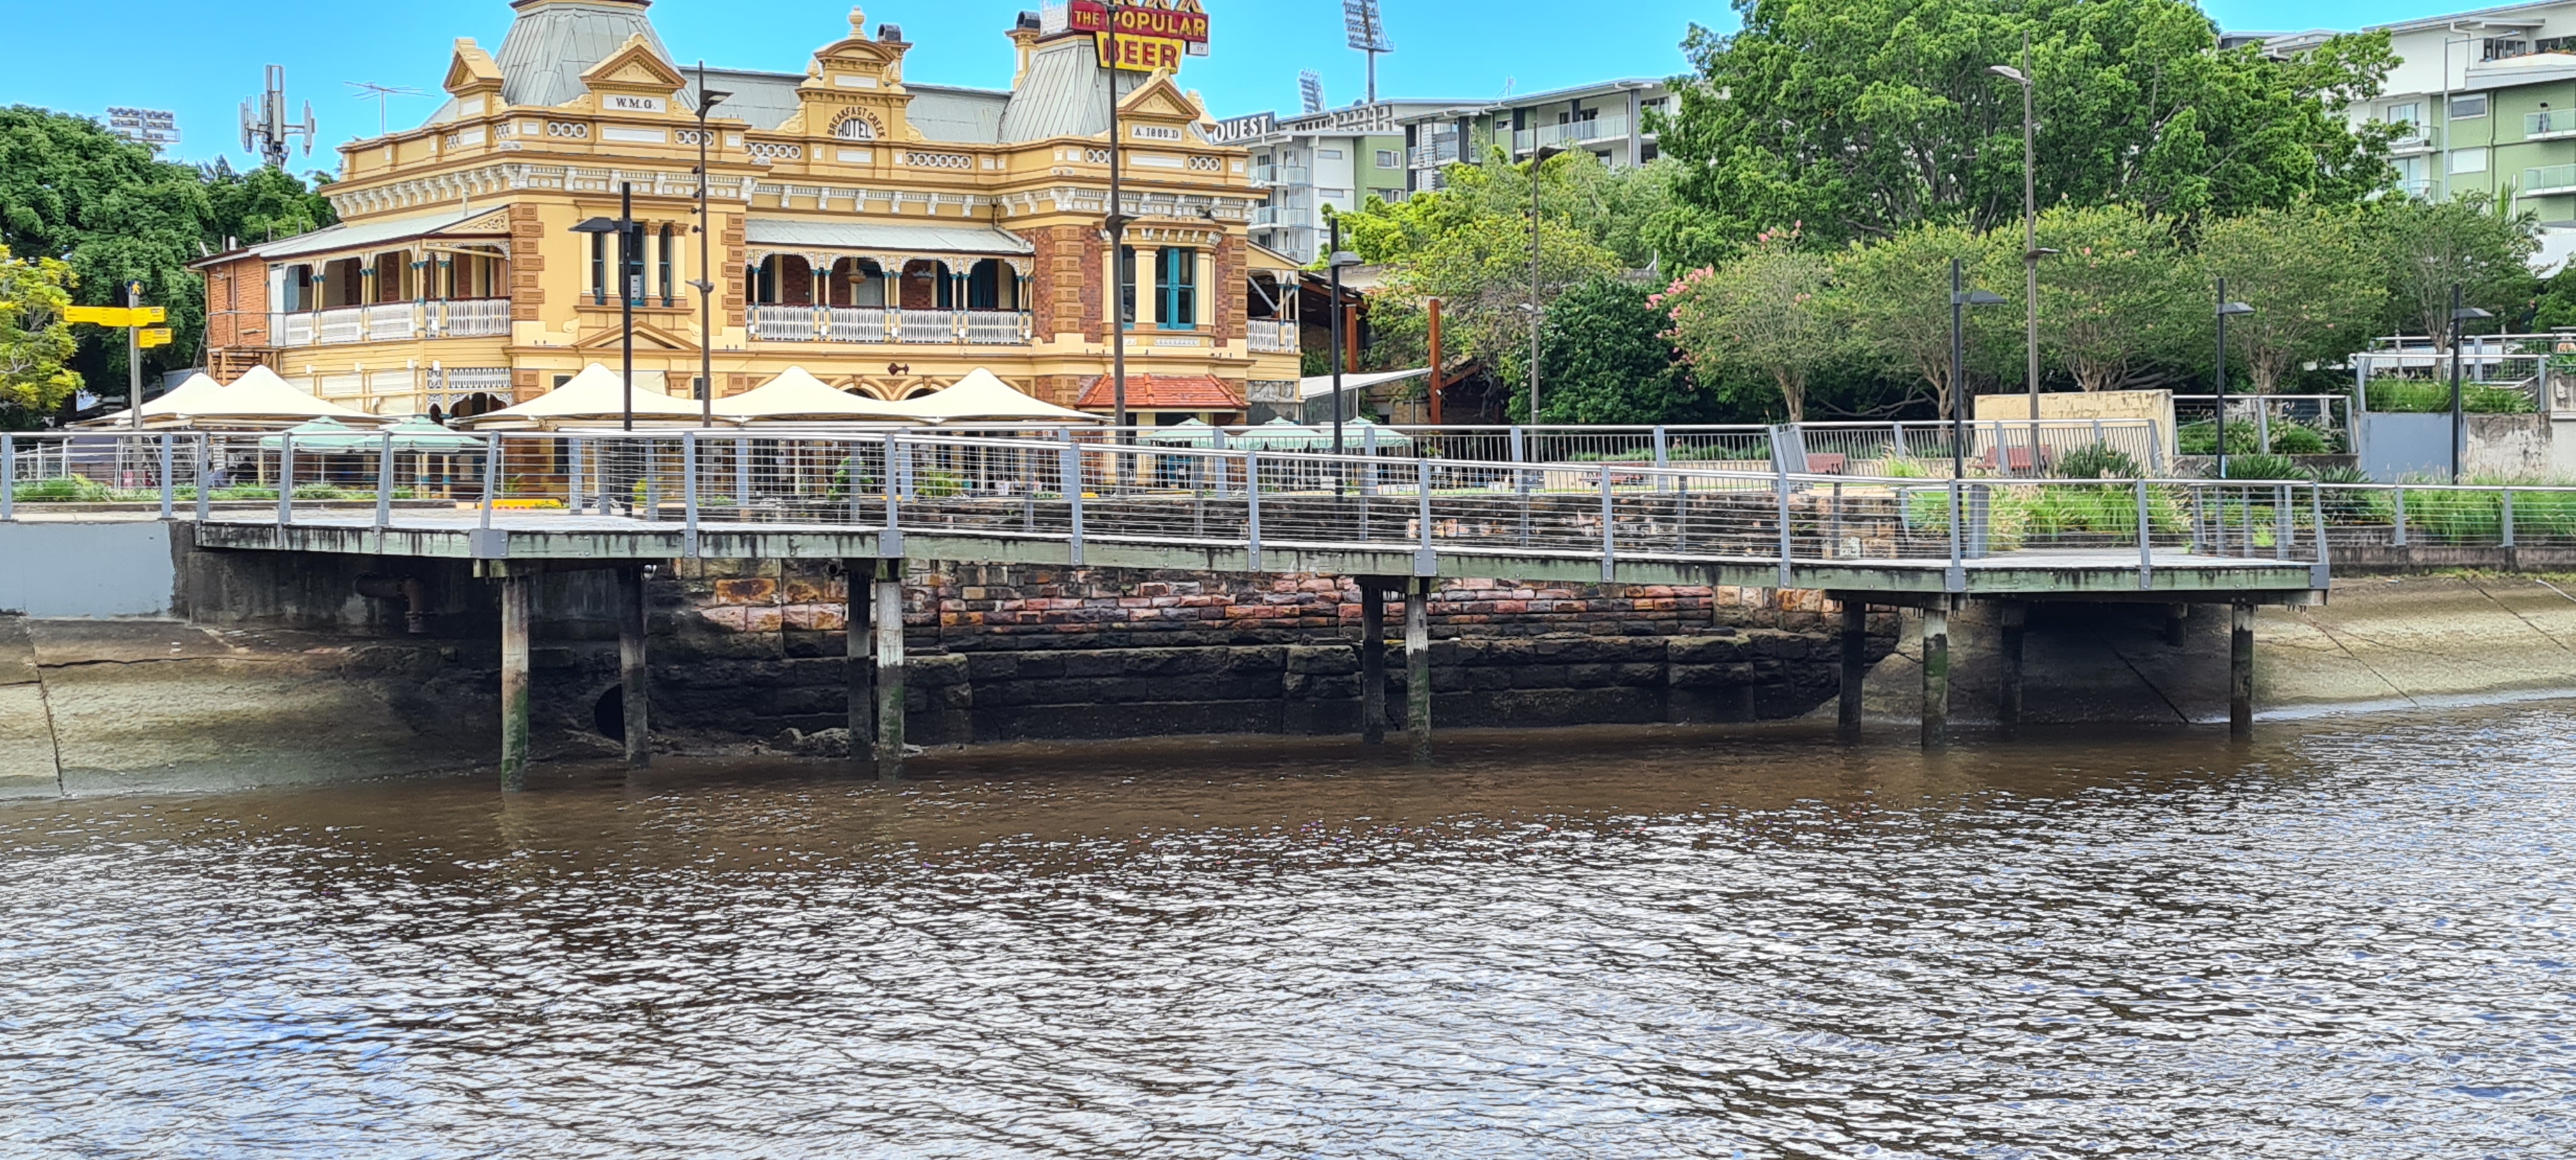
(237, 304)
(1064, 281)
(1230, 296)
(729, 244)
(1164, 392)
(990, 607)
(527, 264)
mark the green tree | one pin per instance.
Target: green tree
(2116, 299)
(2472, 241)
(1606, 360)
(1762, 315)
(2297, 268)
(73, 192)
(1893, 299)
(1864, 117)
(34, 339)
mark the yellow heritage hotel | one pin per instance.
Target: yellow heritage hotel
(885, 235)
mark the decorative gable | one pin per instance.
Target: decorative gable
(470, 71)
(634, 79)
(1160, 102)
(853, 88)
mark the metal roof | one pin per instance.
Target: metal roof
(553, 42)
(950, 113)
(1065, 94)
(886, 237)
(375, 231)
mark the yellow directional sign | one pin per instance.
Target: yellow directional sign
(116, 315)
(154, 336)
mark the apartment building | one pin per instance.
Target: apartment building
(1609, 119)
(1334, 159)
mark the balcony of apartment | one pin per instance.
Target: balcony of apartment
(1571, 133)
(1443, 150)
(2549, 125)
(1271, 335)
(1282, 175)
(897, 301)
(2414, 138)
(2547, 181)
(392, 322)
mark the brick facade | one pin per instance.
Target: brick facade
(527, 268)
(1064, 282)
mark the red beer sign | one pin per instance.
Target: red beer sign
(1180, 20)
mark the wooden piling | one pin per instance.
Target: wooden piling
(1417, 667)
(2240, 671)
(635, 680)
(1936, 677)
(1855, 668)
(1372, 660)
(517, 598)
(889, 676)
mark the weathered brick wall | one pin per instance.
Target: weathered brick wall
(969, 608)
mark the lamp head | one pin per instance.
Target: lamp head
(597, 225)
(1344, 259)
(2009, 73)
(1978, 298)
(2228, 309)
(2469, 314)
(708, 99)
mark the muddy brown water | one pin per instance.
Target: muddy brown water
(2351, 938)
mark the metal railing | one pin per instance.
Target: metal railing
(1270, 335)
(2329, 417)
(393, 322)
(1248, 499)
(2546, 179)
(884, 324)
(2549, 121)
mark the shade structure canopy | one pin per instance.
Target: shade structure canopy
(1358, 435)
(1282, 435)
(796, 396)
(325, 436)
(1186, 433)
(593, 398)
(259, 398)
(981, 397)
(412, 436)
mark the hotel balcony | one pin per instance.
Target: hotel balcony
(2549, 125)
(1571, 133)
(393, 322)
(882, 324)
(1270, 335)
(2547, 180)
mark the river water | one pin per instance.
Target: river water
(2352, 938)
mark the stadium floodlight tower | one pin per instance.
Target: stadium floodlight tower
(1367, 33)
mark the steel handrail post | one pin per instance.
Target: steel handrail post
(491, 457)
(572, 477)
(1958, 566)
(167, 486)
(689, 494)
(384, 481)
(2325, 549)
(205, 459)
(286, 478)
(2399, 503)
(1609, 522)
(1780, 493)
(1252, 505)
(742, 476)
(2507, 493)
(1071, 456)
(1425, 561)
(2282, 529)
(2146, 539)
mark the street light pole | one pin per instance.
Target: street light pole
(705, 284)
(2225, 308)
(1961, 298)
(2459, 422)
(1333, 264)
(629, 284)
(2030, 251)
(1116, 224)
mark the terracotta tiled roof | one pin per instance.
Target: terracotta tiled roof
(1164, 393)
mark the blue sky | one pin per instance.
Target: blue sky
(202, 59)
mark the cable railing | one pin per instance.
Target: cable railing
(1090, 492)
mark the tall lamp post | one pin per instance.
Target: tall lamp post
(1961, 298)
(2226, 309)
(705, 284)
(1538, 157)
(1336, 261)
(630, 283)
(1115, 224)
(2030, 251)
(2459, 424)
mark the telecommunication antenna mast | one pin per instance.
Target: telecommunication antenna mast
(267, 133)
(1367, 33)
(371, 91)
